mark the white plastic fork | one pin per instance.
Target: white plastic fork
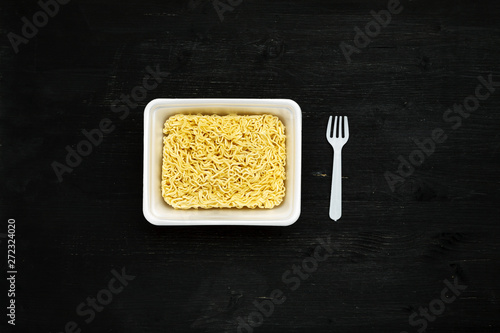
(337, 140)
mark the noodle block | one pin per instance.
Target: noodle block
(213, 161)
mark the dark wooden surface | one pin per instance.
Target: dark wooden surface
(392, 250)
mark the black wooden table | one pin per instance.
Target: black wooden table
(416, 249)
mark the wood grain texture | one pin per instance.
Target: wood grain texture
(391, 250)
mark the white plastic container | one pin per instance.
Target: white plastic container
(158, 212)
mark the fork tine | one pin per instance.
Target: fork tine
(335, 128)
(346, 128)
(329, 128)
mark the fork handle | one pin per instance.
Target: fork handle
(336, 195)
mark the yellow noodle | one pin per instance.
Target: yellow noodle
(223, 161)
